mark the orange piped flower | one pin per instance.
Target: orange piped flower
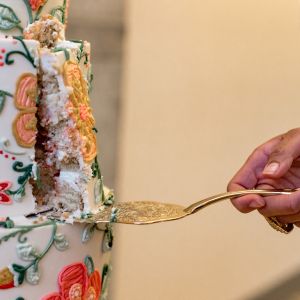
(80, 110)
(26, 93)
(24, 126)
(75, 284)
(36, 4)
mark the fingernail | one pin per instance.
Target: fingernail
(258, 203)
(271, 168)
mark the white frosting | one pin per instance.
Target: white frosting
(52, 263)
(9, 75)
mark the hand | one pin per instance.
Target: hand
(273, 165)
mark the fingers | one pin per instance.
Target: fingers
(284, 205)
(248, 203)
(283, 155)
(250, 173)
(248, 176)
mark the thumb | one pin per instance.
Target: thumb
(283, 154)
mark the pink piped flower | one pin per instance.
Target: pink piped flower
(4, 198)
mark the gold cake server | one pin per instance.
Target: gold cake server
(150, 212)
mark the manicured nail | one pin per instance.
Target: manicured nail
(257, 203)
(271, 168)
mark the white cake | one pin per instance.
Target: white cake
(49, 173)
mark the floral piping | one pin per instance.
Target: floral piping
(9, 19)
(78, 281)
(15, 274)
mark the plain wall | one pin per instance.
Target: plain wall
(205, 82)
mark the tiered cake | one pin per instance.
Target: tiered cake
(49, 173)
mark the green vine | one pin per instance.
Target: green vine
(60, 12)
(3, 95)
(96, 169)
(23, 179)
(20, 232)
(81, 52)
(29, 11)
(26, 54)
(66, 52)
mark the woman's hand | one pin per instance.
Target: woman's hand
(273, 165)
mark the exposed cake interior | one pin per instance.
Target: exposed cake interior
(66, 141)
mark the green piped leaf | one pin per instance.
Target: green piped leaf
(8, 19)
(2, 100)
(88, 232)
(58, 13)
(21, 272)
(88, 261)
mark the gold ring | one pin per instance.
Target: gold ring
(278, 226)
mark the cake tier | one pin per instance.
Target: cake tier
(16, 15)
(18, 93)
(62, 166)
(42, 259)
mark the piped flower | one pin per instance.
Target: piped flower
(80, 109)
(36, 4)
(4, 198)
(24, 126)
(6, 279)
(76, 284)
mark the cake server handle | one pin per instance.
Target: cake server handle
(274, 223)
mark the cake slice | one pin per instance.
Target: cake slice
(67, 146)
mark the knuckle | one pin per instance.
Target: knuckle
(257, 152)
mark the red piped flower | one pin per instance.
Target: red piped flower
(75, 284)
(4, 198)
(6, 279)
(36, 4)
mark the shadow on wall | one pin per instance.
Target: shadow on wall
(286, 290)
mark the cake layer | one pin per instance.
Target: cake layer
(18, 93)
(42, 259)
(16, 15)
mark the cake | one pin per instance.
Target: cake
(50, 180)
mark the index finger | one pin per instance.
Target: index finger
(248, 177)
